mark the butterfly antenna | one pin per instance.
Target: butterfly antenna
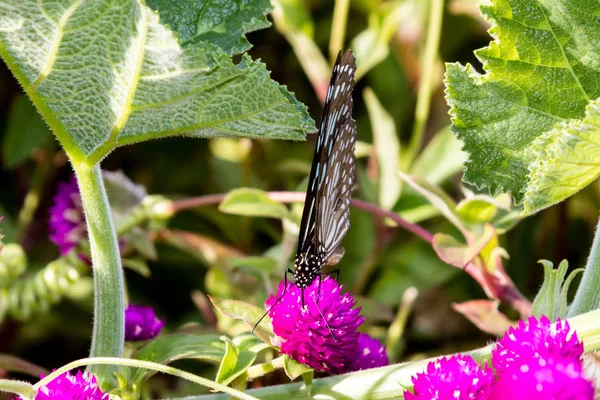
(326, 324)
(270, 308)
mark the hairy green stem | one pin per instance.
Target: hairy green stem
(109, 302)
(23, 389)
(434, 29)
(338, 27)
(587, 297)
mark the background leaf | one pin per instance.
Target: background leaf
(252, 202)
(541, 72)
(26, 131)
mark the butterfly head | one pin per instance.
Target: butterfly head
(306, 268)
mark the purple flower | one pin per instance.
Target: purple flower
(457, 378)
(141, 323)
(67, 221)
(542, 379)
(369, 353)
(303, 333)
(536, 340)
(82, 386)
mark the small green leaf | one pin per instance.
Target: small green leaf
(169, 348)
(387, 148)
(234, 363)
(110, 74)
(551, 300)
(293, 368)
(249, 341)
(248, 313)
(252, 202)
(26, 131)
(138, 265)
(477, 209)
(524, 122)
(459, 254)
(371, 46)
(222, 23)
(441, 159)
(485, 315)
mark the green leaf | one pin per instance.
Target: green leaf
(223, 23)
(109, 74)
(387, 148)
(254, 264)
(521, 122)
(249, 341)
(248, 313)
(26, 131)
(169, 348)
(477, 209)
(459, 254)
(293, 368)
(234, 363)
(551, 300)
(252, 202)
(441, 159)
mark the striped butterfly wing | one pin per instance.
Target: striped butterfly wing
(325, 219)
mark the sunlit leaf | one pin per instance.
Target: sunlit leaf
(235, 362)
(108, 74)
(248, 313)
(293, 368)
(25, 132)
(485, 315)
(223, 24)
(551, 299)
(524, 123)
(460, 254)
(252, 202)
(387, 148)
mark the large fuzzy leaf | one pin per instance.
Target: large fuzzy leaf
(524, 122)
(107, 73)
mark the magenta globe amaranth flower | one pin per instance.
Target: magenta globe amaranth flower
(82, 386)
(457, 378)
(141, 323)
(536, 340)
(543, 379)
(369, 353)
(304, 332)
(540, 360)
(67, 221)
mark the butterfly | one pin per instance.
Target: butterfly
(326, 215)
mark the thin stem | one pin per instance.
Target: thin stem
(338, 27)
(32, 199)
(432, 43)
(396, 330)
(258, 370)
(146, 365)
(109, 302)
(587, 297)
(298, 197)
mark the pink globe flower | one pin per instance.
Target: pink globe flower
(67, 222)
(82, 386)
(141, 323)
(303, 333)
(370, 353)
(542, 379)
(536, 340)
(456, 378)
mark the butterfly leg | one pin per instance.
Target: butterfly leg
(285, 289)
